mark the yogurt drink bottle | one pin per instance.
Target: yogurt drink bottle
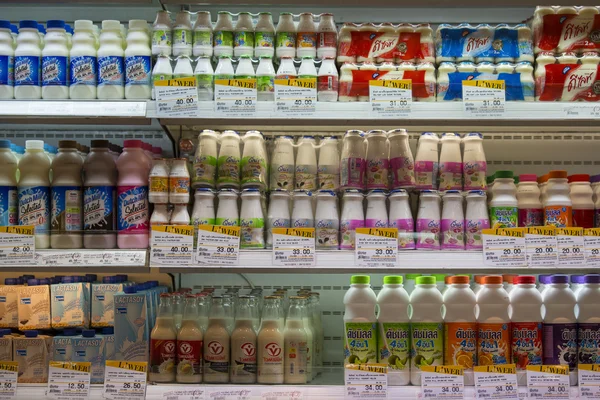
(252, 221)
(27, 68)
(159, 182)
(460, 326)
(327, 222)
(163, 343)
(66, 225)
(162, 71)
(189, 344)
(476, 219)
(327, 81)
(203, 212)
(588, 299)
(493, 339)
(353, 164)
(264, 36)
(296, 344)
(394, 330)
(216, 344)
(254, 162)
(227, 211)
(228, 162)
(306, 164)
(223, 35)
(285, 36)
(183, 68)
(326, 37)
(243, 343)
(179, 182)
(451, 163)
(595, 179)
(560, 325)
(503, 207)
(581, 197)
(279, 213)
(328, 169)
(360, 322)
(265, 78)
(245, 69)
(83, 62)
(111, 70)
(203, 35)
(402, 163)
(426, 323)
(204, 79)
(7, 55)
(352, 217)
(426, 161)
(474, 162)
(180, 215)
(270, 347)
(138, 63)
(205, 160)
(400, 217)
(577, 282)
(378, 152)
(428, 223)
(99, 198)
(453, 221)
(132, 200)
(34, 192)
(558, 210)
(286, 69)
(306, 38)
(526, 325)
(54, 62)
(302, 211)
(160, 215)
(282, 164)
(307, 69)
(182, 34)
(162, 34)
(531, 212)
(8, 185)
(243, 37)
(377, 216)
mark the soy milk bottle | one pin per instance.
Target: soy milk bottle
(27, 76)
(450, 163)
(138, 63)
(402, 163)
(271, 344)
(243, 343)
(377, 216)
(163, 343)
(296, 345)
(353, 163)
(189, 344)
(217, 348)
(474, 162)
(282, 164)
(400, 217)
(428, 221)
(54, 62)
(328, 169)
(476, 219)
(352, 217)
(453, 220)
(111, 70)
(306, 164)
(426, 161)
(360, 322)
(377, 159)
(8, 185)
(82, 62)
(327, 222)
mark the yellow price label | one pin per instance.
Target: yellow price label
(18, 230)
(569, 231)
(541, 230)
(494, 84)
(497, 369)
(180, 82)
(72, 366)
(138, 366)
(391, 233)
(444, 369)
(299, 232)
(592, 232)
(307, 83)
(514, 232)
(392, 83)
(378, 368)
(222, 229)
(240, 83)
(551, 369)
(185, 230)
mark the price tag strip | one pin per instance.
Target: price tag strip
(542, 246)
(176, 98)
(504, 247)
(442, 382)
(91, 258)
(17, 245)
(296, 96)
(218, 245)
(233, 392)
(366, 381)
(189, 393)
(69, 380)
(235, 97)
(9, 371)
(484, 99)
(591, 243)
(391, 98)
(376, 247)
(496, 382)
(294, 247)
(589, 381)
(548, 382)
(125, 380)
(172, 245)
(571, 251)
(281, 393)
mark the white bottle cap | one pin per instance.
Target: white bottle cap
(34, 144)
(138, 24)
(84, 24)
(111, 25)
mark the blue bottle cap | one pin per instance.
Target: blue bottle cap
(67, 279)
(69, 332)
(130, 289)
(109, 330)
(31, 334)
(10, 281)
(41, 29)
(4, 24)
(55, 23)
(28, 24)
(14, 29)
(33, 282)
(88, 333)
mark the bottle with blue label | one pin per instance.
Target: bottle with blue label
(7, 61)
(8, 185)
(55, 58)
(111, 67)
(28, 62)
(138, 62)
(34, 192)
(82, 63)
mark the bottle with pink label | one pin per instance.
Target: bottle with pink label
(352, 217)
(400, 217)
(450, 163)
(378, 151)
(476, 219)
(402, 163)
(474, 162)
(426, 162)
(453, 221)
(428, 221)
(531, 211)
(353, 163)
(377, 216)
(132, 197)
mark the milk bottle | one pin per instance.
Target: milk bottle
(243, 37)
(450, 163)
(327, 222)
(328, 169)
(394, 330)
(581, 196)
(162, 71)
(160, 215)
(302, 211)
(296, 345)
(227, 212)
(180, 215)
(587, 333)
(179, 182)
(376, 210)
(377, 159)
(34, 192)
(286, 69)
(476, 219)
(252, 222)
(460, 326)
(307, 69)
(306, 164)
(182, 34)
(245, 69)
(426, 161)
(353, 163)
(243, 343)
(285, 42)
(223, 35)
(204, 79)
(526, 325)
(27, 69)
(66, 223)
(352, 217)
(327, 81)
(282, 164)
(493, 339)
(138, 63)
(265, 75)
(132, 200)
(503, 207)
(428, 221)
(82, 62)
(111, 70)
(163, 343)
(543, 185)
(360, 322)
(54, 62)
(8, 185)
(99, 198)
(189, 344)
(205, 160)
(453, 221)
(402, 163)
(558, 205)
(264, 36)
(306, 39)
(7, 61)
(254, 160)
(224, 68)
(162, 35)
(228, 163)
(426, 323)
(183, 68)
(204, 209)
(278, 215)
(528, 201)
(474, 162)
(560, 325)
(326, 37)
(270, 347)
(400, 217)
(203, 35)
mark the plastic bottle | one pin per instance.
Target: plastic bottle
(588, 327)
(243, 343)
(228, 162)
(83, 62)
(163, 344)
(476, 219)
(162, 34)
(265, 79)
(132, 201)
(360, 322)
(543, 185)
(376, 216)
(282, 164)
(285, 42)
(160, 215)
(302, 211)
(245, 69)
(223, 35)
(182, 34)
(270, 344)
(111, 68)
(426, 161)
(460, 326)
(159, 182)
(278, 215)
(306, 39)
(203, 212)
(352, 217)
(560, 325)
(327, 222)
(7, 61)
(138, 63)
(243, 37)
(394, 330)
(217, 348)
(54, 62)
(180, 215)
(224, 68)
(179, 182)
(287, 69)
(402, 163)
(254, 162)
(264, 36)
(203, 35)
(326, 37)
(296, 344)
(428, 222)
(66, 221)
(474, 162)
(328, 166)
(204, 79)
(400, 217)
(451, 164)
(493, 339)
(581, 197)
(558, 210)
(327, 81)
(353, 164)
(99, 198)
(252, 220)
(189, 344)
(426, 323)
(27, 69)
(453, 221)
(162, 71)
(306, 164)
(227, 212)
(503, 207)
(526, 317)
(34, 192)
(205, 160)
(531, 212)
(377, 159)
(8, 185)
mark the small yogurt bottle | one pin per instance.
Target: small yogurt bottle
(453, 221)
(327, 222)
(450, 162)
(302, 212)
(426, 162)
(400, 217)
(352, 217)
(377, 216)
(278, 215)
(252, 220)
(428, 221)
(476, 219)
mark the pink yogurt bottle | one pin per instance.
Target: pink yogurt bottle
(132, 196)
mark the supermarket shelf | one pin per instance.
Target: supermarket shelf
(116, 260)
(380, 3)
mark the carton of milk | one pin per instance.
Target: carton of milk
(103, 302)
(90, 348)
(34, 305)
(62, 346)
(9, 303)
(31, 352)
(131, 326)
(108, 334)
(6, 346)
(68, 305)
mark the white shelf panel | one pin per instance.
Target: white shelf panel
(67, 108)
(116, 259)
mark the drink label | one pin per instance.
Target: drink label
(98, 209)
(302, 223)
(394, 345)
(353, 172)
(132, 208)
(327, 39)
(451, 174)
(228, 170)
(137, 70)
(111, 71)
(163, 354)
(328, 177)
(265, 84)
(588, 338)
(453, 234)
(264, 39)
(66, 210)
(34, 208)
(182, 37)
(7, 70)
(306, 40)
(243, 39)
(460, 340)
(403, 172)
(428, 233)
(426, 173)
(179, 184)
(559, 216)
(162, 37)
(252, 233)
(189, 357)
(306, 177)
(376, 223)
(526, 344)
(377, 174)
(205, 169)
(327, 233)
(245, 362)
(360, 345)
(583, 218)
(54, 71)
(504, 217)
(474, 173)
(254, 170)
(282, 177)
(8, 206)
(560, 344)
(493, 344)
(27, 70)
(427, 342)
(406, 229)
(82, 70)
(473, 235)
(531, 217)
(272, 359)
(203, 38)
(286, 39)
(223, 39)
(327, 83)
(348, 232)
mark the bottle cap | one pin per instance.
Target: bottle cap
(33, 282)
(392, 280)
(578, 279)
(55, 24)
(527, 178)
(458, 279)
(592, 278)
(412, 277)
(5, 144)
(559, 278)
(69, 29)
(34, 145)
(544, 279)
(67, 144)
(111, 25)
(69, 332)
(100, 143)
(524, 280)
(28, 24)
(130, 289)
(5, 24)
(88, 333)
(542, 179)
(508, 278)
(474, 134)
(31, 334)
(504, 175)
(14, 29)
(132, 143)
(426, 280)
(84, 24)
(557, 174)
(360, 279)
(41, 29)
(492, 280)
(579, 178)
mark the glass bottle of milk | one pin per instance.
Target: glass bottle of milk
(270, 346)
(327, 222)
(216, 343)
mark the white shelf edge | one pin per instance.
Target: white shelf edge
(84, 258)
(73, 109)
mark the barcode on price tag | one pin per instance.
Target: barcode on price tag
(589, 381)
(218, 245)
(504, 247)
(391, 98)
(484, 98)
(296, 96)
(497, 382)
(69, 380)
(172, 245)
(294, 247)
(8, 379)
(548, 382)
(125, 380)
(376, 247)
(591, 243)
(542, 247)
(366, 381)
(442, 381)
(235, 97)
(571, 251)
(176, 98)
(17, 245)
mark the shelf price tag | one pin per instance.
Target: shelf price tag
(235, 97)
(391, 98)
(172, 245)
(542, 247)
(230, 392)
(376, 247)
(366, 381)
(442, 381)
(176, 98)
(8, 379)
(294, 247)
(589, 381)
(279, 393)
(548, 382)
(591, 243)
(69, 380)
(17, 245)
(189, 393)
(496, 382)
(296, 96)
(125, 380)
(484, 99)
(218, 245)
(504, 247)
(571, 251)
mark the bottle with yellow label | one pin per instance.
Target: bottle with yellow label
(493, 339)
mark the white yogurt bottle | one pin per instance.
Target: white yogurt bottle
(306, 164)
(327, 81)
(282, 164)
(183, 68)
(378, 151)
(179, 182)
(254, 161)
(138, 62)
(245, 69)
(307, 69)
(243, 36)
(203, 35)
(159, 182)
(353, 163)
(428, 221)
(328, 169)
(227, 211)
(252, 221)
(111, 68)
(223, 35)
(205, 159)
(54, 62)
(278, 215)
(450, 167)
(7, 61)
(264, 35)
(503, 207)
(285, 41)
(203, 212)
(265, 79)
(400, 217)
(287, 69)
(327, 222)
(182, 34)
(82, 62)
(426, 161)
(588, 298)
(360, 322)
(204, 79)
(558, 210)
(162, 34)
(377, 216)
(493, 338)
(327, 36)
(453, 221)
(353, 217)
(162, 71)
(180, 215)
(306, 38)
(476, 219)
(224, 68)
(228, 162)
(531, 212)
(402, 163)
(474, 162)
(302, 211)
(28, 60)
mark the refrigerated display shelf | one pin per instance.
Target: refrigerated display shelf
(379, 3)
(132, 259)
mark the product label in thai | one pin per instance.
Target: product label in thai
(205, 168)
(348, 232)
(531, 217)
(189, 357)
(27, 71)
(327, 83)
(460, 340)
(223, 38)
(306, 40)
(137, 70)
(560, 344)
(245, 362)
(394, 345)
(179, 184)
(328, 177)
(264, 39)
(243, 38)
(504, 217)
(282, 177)
(82, 70)
(306, 177)
(265, 84)
(427, 339)
(526, 344)
(228, 170)
(8, 206)
(254, 170)
(66, 209)
(216, 358)
(54, 71)
(7, 70)
(377, 174)
(428, 233)
(559, 216)
(182, 37)
(111, 71)
(34, 208)
(493, 344)
(453, 234)
(132, 209)
(376, 223)
(327, 233)
(286, 39)
(451, 174)
(252, 233)
(163, 354)
(473, 238)
(99, 209)
(474, 173)
(162, 37)
(360, 345)
(327, 39)
(403, 171)
(426, 173)
(406, 228)
(203, 38)
(353, 172)
(588, 338)
(159, 184)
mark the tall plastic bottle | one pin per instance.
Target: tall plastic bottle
(476, 219)
(558, 210)
(111, 68)
(378, 152)
(503, 207)
(138, 63)
(393, 341)
(7, 61)
(402, 163)
(264, 36)
(451, 163)
(203, 35)
(162, 71)
(474, 162)
(428, 222)
(360, 322)
(162, 34)
(28, 62)
(204, 79)
(588, 329)
(400, 217)
(453, 221)
(8, 185)
(182, 34)
(83, 62)
(353, 163)
(531, 212)
(223, 35)
(34, 192)
(493, 339)
(426, 161)
(66, 221)
(55, 58)
(352, 217)
(132, 191)
(306, 164)
(581, 194)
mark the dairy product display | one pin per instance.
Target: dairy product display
(566, 77)
(558, 29)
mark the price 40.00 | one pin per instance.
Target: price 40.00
(188, 100)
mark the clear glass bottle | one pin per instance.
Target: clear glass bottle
(270, 344)
(189, 344)
(163, 343)
(217, 348)
(243, 343)
(296, 344)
